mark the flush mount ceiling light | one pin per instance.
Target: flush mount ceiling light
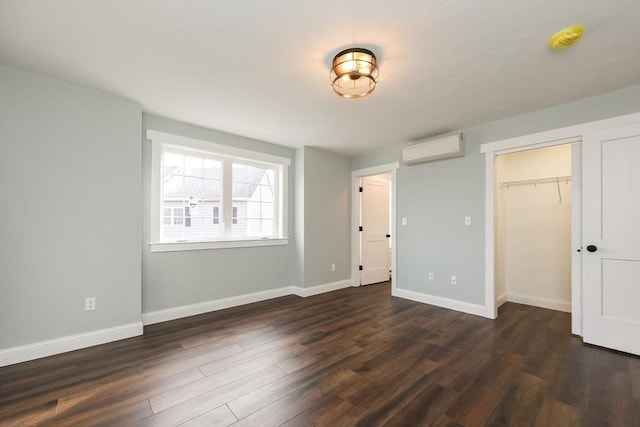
(354, 73)
(565, 38)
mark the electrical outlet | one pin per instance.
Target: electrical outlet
(467, 220)
(404, 220)
(90, 304)
(333, 267)
(454, 280)
(432, 277)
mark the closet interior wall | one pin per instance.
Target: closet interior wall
(533, 227)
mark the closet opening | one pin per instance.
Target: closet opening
(534, 199)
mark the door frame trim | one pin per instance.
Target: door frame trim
(527, 142)
(356, 177)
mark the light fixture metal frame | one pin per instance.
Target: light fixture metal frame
(351, 65)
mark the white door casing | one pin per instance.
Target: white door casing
(375, 228)
(611, 238)
(568, 134)
(356, 180)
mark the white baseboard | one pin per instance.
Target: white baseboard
(37, 350)
(321, 289)
(219, 304)
(552, 304)
(451, 304)
(501, 300)
(205, 307)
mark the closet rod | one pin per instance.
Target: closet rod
(552, 180)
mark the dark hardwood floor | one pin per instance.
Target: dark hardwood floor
(351, 357)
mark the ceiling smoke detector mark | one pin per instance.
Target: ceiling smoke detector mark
(567, 37)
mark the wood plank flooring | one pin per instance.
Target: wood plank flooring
(354, 357)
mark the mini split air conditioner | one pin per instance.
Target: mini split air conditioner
(433, 149)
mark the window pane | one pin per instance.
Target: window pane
(267, 228)
(193, 188)
(211, 189)
(254, 175)
(239, 220)
(254, 195)
(212, 169)
(202, 227)
(266, 210)
(189, 198)
(202, 223)
(253, 210)
(173, 163)
(253, 227)
(216, 215)
(270, 177)
(241, 190)
(193, 166)
(178, 217)
(173, 187)
(239, 173)
(266, 193)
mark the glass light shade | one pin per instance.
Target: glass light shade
(354, 73)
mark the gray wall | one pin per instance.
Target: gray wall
(326, 214)
(76, 154)
(173, 279)
(70, 186)
(435, 197)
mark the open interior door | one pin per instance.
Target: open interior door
(611, 238)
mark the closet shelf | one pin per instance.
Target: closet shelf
(551, 180)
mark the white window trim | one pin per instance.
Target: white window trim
(161, 139)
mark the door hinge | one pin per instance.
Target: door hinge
(360, 268)
(360, 228)
(360, 189)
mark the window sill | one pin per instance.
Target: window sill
(214, 244)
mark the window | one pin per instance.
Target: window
(206, 195)
(173, 216)
(216, 215)
(187, 216)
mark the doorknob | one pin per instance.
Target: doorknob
(592, 248)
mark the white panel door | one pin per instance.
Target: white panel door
(611, 238)
(375, 228)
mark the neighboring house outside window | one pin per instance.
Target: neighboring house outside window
(172, 216)
(196, 188)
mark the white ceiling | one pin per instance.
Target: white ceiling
(261, 68)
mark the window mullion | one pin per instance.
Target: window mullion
(227, 197)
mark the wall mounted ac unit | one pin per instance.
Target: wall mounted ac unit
(433, 149)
